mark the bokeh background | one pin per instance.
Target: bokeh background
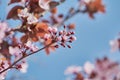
(93, 36)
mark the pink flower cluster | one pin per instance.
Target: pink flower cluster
(115, 45)
(62, 37)
(31, 19)
(44, 4)
(73, 70)
(3, 29)
(22, 66)
(103, 69)
(3, 65)
(19, 52)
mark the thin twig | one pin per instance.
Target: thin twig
(70, 16)
(11, 66)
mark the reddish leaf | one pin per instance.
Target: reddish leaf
(13, 12)
(79, 77)
(24, 39)
(94, 7)
(50, 48)
(71, 26)
(41, 28)
(34, 7)
(4, 50)
(33, 37)
(14, 1)
(54, 10)
(53, 4)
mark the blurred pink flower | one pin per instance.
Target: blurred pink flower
(72, 70)
(14, 50)
(31, 46)
(3, 65)
(24, 67)
(88, 67)
(44, 4)
(32, 19)
(114, 45)
(23, 13)
(3, 28)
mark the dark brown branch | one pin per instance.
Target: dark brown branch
(11, 66)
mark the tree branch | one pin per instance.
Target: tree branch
(70, 16)
(11, 66)
(58, 25)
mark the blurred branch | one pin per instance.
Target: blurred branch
(70, 16)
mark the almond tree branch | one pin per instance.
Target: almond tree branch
(58, 25)
(11, 66)
(65, 19)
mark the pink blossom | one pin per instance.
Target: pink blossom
(72, 70)
(14, 50)
(54, 29)
(88, 1)
(73, 38)
(3, 29)
(65, 38)
(31, 46)
(23, 13)
(50, 29)
(47, 36)
(23, 2)
(2, 36)
(24, 67)
(114, 45)
(44, 4)
(32, 19)
(88, 67)
(4, 64)
(61, 37)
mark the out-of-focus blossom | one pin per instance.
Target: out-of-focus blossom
(115, 45)
(106, 68)
(31, 46)
(47, 36)
(55, 30)
(3, 29)
(3, 65)
(88, 67)
(88, 1)
(32, 19)
(23, 13)
(103, 69)
(23, 2)
(24, 67)
(2, 36)
(72, 70)
(44, 4)
(14, 50)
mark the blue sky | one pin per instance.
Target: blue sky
(92, 42)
